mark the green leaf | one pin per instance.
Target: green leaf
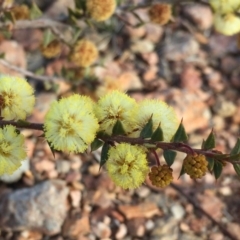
(235, 157)
(236, 148)
(210, 163)
(158, 134)
(76, 35)
(180, 135)
(210, 142)
(169, 156)
(138, 18)
(203, 143)
(48, 37)
(23, 123)
(40, 71)
(35, 12)
(147, 129)
(80, 4)
(181, 172)
(7, 34)
(118, 129)
(217, 169)
(96, 144)
(9, 16)
(237, 168)
(104, 154)
(51, 148)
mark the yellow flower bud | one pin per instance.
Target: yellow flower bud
(161, 176)
(20, 12)
(160, 13)
(84, 53)
(101, 10)
(52, 49)
(195, 166)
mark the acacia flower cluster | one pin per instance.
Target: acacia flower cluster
(12, 151)
(127, 165)
(70, 124)
(160, 13)
(196, 165)
(113, 107)
(16, 98)
(126, 130)
(84, 53)
(100, 10)
(20, 12)
(16, 103)
(226, 21)
(52, 49)
(161, 114)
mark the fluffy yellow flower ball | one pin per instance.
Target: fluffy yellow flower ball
(12, 151)
(227, 24)
(225, 6)
(20, 12)
(127, 165)
(161, 113)
(16, 98)
(101, 10)
(70, 124)
(160, 13)
(113, 107)
(84, 53)
(52, 50)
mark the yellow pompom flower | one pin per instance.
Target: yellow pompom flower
(195, 165)
(52, 50)
(20, 12)
(70, 124)
(161, 113)
(100, 10)
(127, 165)
(84, 53)
(16, 98)
(160, 13)
(161, 176)
(225, 6)
(12, 151)
(227, 24)
(113, 107)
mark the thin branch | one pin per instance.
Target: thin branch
(156, 157)
(176, 146)
(23, 124)
(28, 73)
(131, 7)
(37, 23)
(56, 27)
(196, 206)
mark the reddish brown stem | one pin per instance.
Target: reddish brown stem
(156, 157)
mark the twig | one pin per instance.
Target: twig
(22, 124)
(28, 73)
(40, 23)
(130, 7)
(176, 146)
(196, 206)
(37, 23)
